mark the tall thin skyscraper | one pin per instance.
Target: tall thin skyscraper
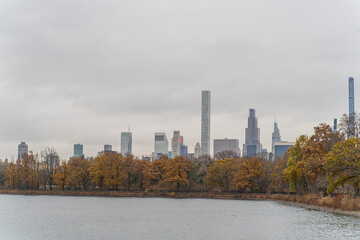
(335, 125)
(351, 108)
(252, 146)
(126, 143)
(275, 136)
(176, 144)
(205, 123)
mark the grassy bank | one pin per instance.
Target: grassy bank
(340, 203)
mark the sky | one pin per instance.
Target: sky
(82, 71)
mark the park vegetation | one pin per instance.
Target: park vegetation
(324, 164)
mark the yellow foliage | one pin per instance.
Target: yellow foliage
(177, 171)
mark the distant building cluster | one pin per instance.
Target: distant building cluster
(251, 148)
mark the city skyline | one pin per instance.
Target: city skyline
(252, 136)
(64, 83)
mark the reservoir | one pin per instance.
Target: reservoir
(80, 218)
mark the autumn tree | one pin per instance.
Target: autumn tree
(348, 128)
(28, 171)
(79, 172)
(221, 173)
(248, 174)
(107, 170)
(294, 171)
(343, 165)
(114, 170)
(129, 168)
(198, 174)
(62, 175)
(97, 171)
(177, 171)
(3, 166)
(145, 173)
(12, 175)
(278, 179)
(51, 161)
(226, 154)
(315, 152)
(159, 168)
(306, 164)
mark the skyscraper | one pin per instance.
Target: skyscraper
(126, 143)
(161, 144)
(252, 146)
(175, 144)
(197, 150)
(351, 108)
(221, 145)
(22, 150)
(275, 136)
(78, 150)
(183, 149)
(335, 125)
(205, 123)
(281, 147)
(107, 148)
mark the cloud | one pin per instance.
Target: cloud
(82, 71)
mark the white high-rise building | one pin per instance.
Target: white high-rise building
(205, 123)
(175, 144)
(126, 143)
(161, 144)
(197, 150)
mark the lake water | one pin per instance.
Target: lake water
(56, 217)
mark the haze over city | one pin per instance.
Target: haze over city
(83, 71)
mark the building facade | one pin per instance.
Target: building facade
(183, 150)
(191, 156)
(126, 143)
(175, 144)
(221, 145)
(197, 150)
(78, 150)
(107, 148)
(275, 136)
(161, 145)
(252, 146)
(351, 108)
(205, 122)
(281, 147)
(22, 150)
(335, 125)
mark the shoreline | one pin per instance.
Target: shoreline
(291, 200)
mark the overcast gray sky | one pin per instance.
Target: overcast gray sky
(82, 71)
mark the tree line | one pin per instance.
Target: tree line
(325, 162)
(114, 171)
